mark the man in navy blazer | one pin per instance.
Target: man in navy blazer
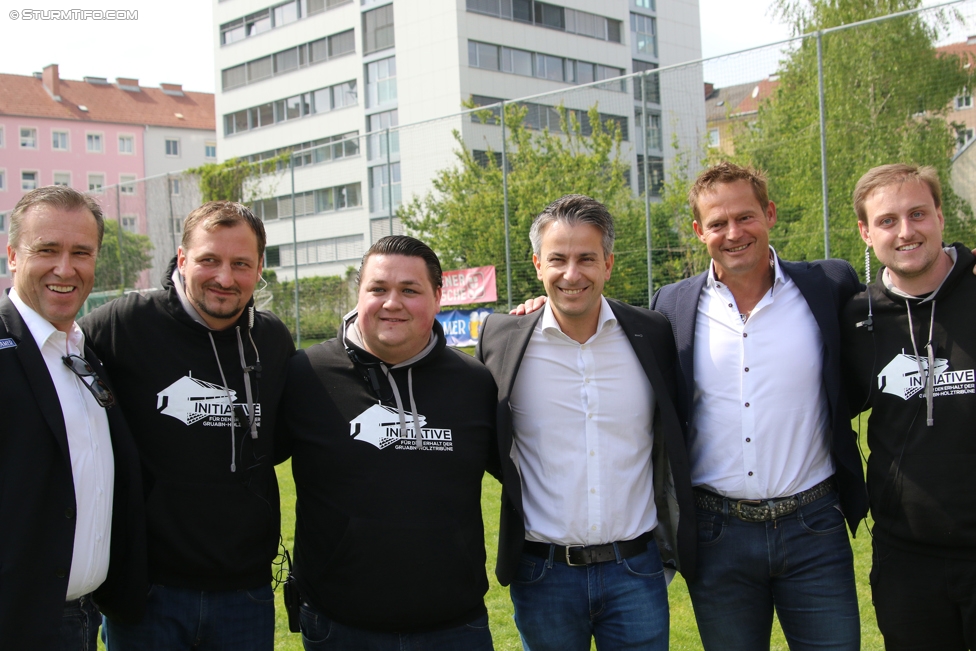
(600, 471)
(774, 461)
(68, 543)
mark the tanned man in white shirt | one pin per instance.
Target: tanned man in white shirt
(774, 461)
(70, 488)
(600, 474)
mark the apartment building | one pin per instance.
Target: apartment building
(100, 137)
(333, 78)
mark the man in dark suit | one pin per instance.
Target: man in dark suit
(70, 490)
(774, 461)
(585, 410)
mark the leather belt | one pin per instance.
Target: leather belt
(580, 555)
(762, 510)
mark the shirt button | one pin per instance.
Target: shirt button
(750, 473)
(748, 440)
(60, 573)
(730, 305)
(592, 453)
(747, 369)
(589, 415)
(69, 513)
(747, 404)
(593, 528)
(745, 334)
(593, 491)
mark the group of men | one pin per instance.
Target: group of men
(710, 435)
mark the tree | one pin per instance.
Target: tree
(463, 218)
(887, 91)
(120, 270)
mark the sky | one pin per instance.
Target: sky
(172, 41)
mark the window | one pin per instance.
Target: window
(964, 135)
(291, 108)
(384, 187)
(94, 142)
(646, 4)
(376, 145)
(174, 187)
(286, 13)
(28, 138)
(210, 150)
(381, 82)
(28, 181)
(3, 180)
(714, 138)
(651, 82)
(129, 223)
(62, 178)
(3, 267)
(536, 64)
(127, 183)
(551, 16)
(655, 174)
(59, 140)
(349, 247)
(288, 60)
(964, 101)
(257, 23)
(172, 147)
(233, 77)
(127, 145)
(259, 69)
(644, 33)
(1, 136)
(3, 222)
(96, 182)
(378, 29)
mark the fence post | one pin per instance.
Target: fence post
(823, 143)
(508, 248)
(172, 222)
(389, 178)
(118, 214)
(647, 185)
(294, 248)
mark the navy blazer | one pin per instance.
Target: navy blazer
(501, 347)
(826, 285)
(37, 500)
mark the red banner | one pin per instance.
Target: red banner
(466, 286)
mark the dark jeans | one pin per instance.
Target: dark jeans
(622, 604)
(800, 564)
(79, 625)
(319, 633)
(178, 619)
(923, 602)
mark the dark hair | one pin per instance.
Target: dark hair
(723, 173)
(408, 246)
(56, 196)
(215, 214)
(884, 175)
(573, 209)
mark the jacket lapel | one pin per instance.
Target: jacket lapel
(517, 342)
(35, 368)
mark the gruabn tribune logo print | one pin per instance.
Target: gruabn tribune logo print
(901, 377)
(192, 400)
(380, 426)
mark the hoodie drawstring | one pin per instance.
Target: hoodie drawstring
(230, 401)
(399, 402)
(930, 375)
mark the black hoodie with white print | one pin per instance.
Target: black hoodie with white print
(922, 427)
(389, 535)
(202, 406)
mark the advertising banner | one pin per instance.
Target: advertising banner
(462, 327)
(465, 286)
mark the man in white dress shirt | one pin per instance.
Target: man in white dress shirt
(773, 459)
(70, 492)
(586, 412)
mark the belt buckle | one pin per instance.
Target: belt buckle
(568, 561)
(738, 509)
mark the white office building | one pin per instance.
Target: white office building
(331, 76)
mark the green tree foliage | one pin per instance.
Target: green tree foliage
(120, 269)
(887, 92)
(323, 301)
(234, 179)
(463, 218)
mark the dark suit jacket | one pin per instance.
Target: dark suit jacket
(37, 501)
(501, 347)
(826, 285)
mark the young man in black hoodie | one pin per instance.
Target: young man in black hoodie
(391, 433)
(199, 374)
(910, 348)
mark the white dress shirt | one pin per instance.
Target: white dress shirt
(582, 416)
(760, 419)
(90, 447)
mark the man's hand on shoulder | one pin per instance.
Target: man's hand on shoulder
(529, 306)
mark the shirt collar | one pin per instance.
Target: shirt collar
(779, 278)
(42, 329)
(890, 286)
(607, 319)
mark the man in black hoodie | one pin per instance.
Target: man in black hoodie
(199, 375)
(910, 349)
(391, 433)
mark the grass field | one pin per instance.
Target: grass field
(684, 633)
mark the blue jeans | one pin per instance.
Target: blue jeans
(802, 564)
(623, 604)
(319, 633)
(79, 626)
(178, 619)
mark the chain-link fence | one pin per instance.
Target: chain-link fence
(815, 112)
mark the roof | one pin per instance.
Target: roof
(106, 102)
(966, 49)
(740, 99)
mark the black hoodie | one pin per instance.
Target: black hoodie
(920, 476)
(210, 527)
(389, 537)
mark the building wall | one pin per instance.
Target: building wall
(192, 149)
